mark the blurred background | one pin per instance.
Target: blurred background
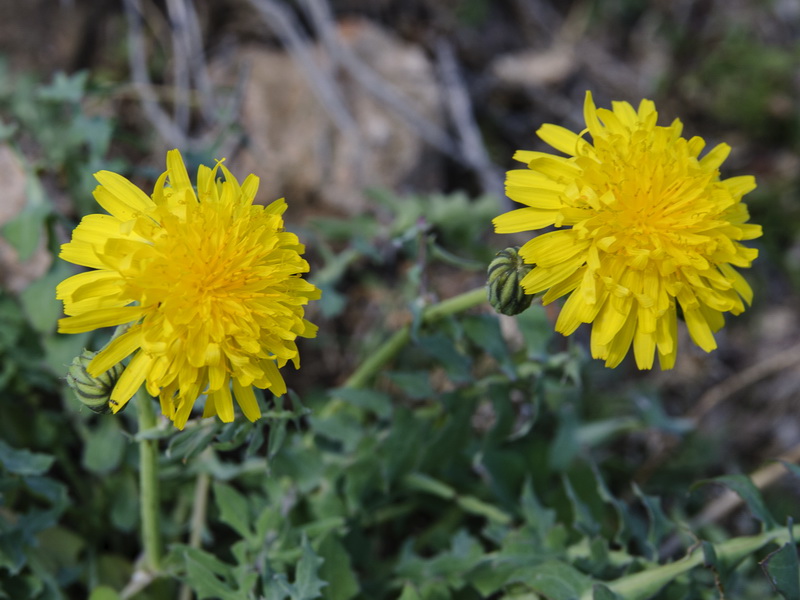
(388, 125)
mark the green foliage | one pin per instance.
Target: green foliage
(744, 81)
(477, 465)
(784, 573)
(488, 460)
(63, 141)
(427, 229)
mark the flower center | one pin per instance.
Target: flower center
(653, 199)
(206, 269)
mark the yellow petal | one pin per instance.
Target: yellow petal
(644, 347)
(524, 219)
(223, 403)
(590, 116)
(550, 249)
(525, 178)
(116, 351)
(246, 398)
(106, 317)
(126, 193)
(667, 339)
(563, 139)
(277, 385)
(699, 328)
(625, 113)
(249, 188)
(715, 157)
(131, 379)
(541, 278)
(178, 176)
(67, 289)
(556, 167)
(575, 312)
(619, 346)
(739, 186)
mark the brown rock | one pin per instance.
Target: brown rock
(293, 142)
(15, 275)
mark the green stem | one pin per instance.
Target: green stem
(148, 483)
(389, 349)
(647, 583)
(199, 510)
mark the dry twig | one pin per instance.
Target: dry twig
(281, 21)
(725, 389)
(729, 500)
(371, 82)
(137, 57)
(458, 102)
(715, 396)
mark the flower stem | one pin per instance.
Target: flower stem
(389, 349)
(148, 483)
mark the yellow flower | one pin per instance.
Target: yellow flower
(209, 280)
(642, 225)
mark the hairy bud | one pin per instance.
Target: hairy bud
(93, 392)
(503, 283)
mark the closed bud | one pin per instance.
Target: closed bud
(93, 392)
(503, 284)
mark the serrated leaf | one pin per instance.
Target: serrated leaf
(441, 349)
(277, 587)
(709, 554)
(747, 491)
(337, 570)
(104, 593)
(277, 436)
(536, 330)
(12, 550)
(39, 302)
(24, 462)
(556, 580)
(371, 400)
(189, 443)
(711, 561)
(409, 593)
(104, 446)
(484, 331)
(582, 519)
(415, 383)
(624, 524)
(207, 585)
(125, 502)
(233, 509)
(536, 515)
(307, 582)
(783, 571)
(659, 523)
(60, 349)
(24, 231)
(65, 88)
(565, 446)
(601, 592)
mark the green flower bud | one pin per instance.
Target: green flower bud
(94, 392)
(503, 284)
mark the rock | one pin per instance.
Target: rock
(293, 143)
(536, 67)
(15, 275)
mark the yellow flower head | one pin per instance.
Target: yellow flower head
(642, 224)
(209, 281)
